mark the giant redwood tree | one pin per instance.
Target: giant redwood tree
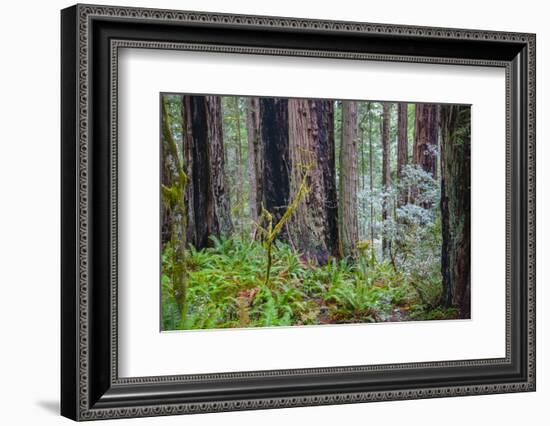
(314, 224)
(219, 189)
(349, 229)
(455, 207)
(207, 196)
(275, 154)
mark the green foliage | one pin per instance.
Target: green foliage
(226, 288)
(438, 313)
(242, 283)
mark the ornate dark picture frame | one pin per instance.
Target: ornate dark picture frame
(90, 385)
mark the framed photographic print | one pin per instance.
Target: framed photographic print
(263, 212)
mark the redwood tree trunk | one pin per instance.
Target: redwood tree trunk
(313, 227)
(218, 197)
(386, 172)
(275, 154)
(455, 207)
(425, 138)
(255, 167)
(349, 233)
(402, 137)
(207, 198)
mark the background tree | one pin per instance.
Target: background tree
(455, 207)
(255, 161)
(349, 230)
(236, 164)
(239, 195)
(325, 231)
(313, 228)
(402, 137)
(371, 173)
(425, 138)
(386, 171)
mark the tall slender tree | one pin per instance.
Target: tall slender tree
(314, 224)
(402, 137)
(173, 189)
(255, 161)
(402, 146)
(371, 173)
(364, 114)
(386, 171)
(239, 199)
(349, 230)
(455, 207)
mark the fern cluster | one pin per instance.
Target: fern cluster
(226, 288)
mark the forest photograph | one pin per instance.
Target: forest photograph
(302, 212)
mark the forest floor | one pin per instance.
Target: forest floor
(226, 288)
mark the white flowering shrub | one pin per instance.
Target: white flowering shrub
(412, 229)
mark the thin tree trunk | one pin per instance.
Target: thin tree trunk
(173, 197)
(386, 173)
(402, 146)
(402, 138)
(363, 225)
(276, 160)
(363, 166)
(255, 168)
(371, 181)
(455, 207)
(348, 180)
(238, 158)
(314, 223)
(437, 141)
(168, 173)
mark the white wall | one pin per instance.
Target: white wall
(29, 225)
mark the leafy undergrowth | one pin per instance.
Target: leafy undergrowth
(226, 289)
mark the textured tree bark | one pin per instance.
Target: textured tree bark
(349, 233)
(455, 207)
(314, 224)
(255, 162)
(371, 180)
(218, 197)
(425, 138)
(195, 136)
(207, 198)
(166, 179)
(275, 154)
(173, 190)
(402, 137)
(386, 172)
(238, 174)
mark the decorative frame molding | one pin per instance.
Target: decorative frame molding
(91, 37)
